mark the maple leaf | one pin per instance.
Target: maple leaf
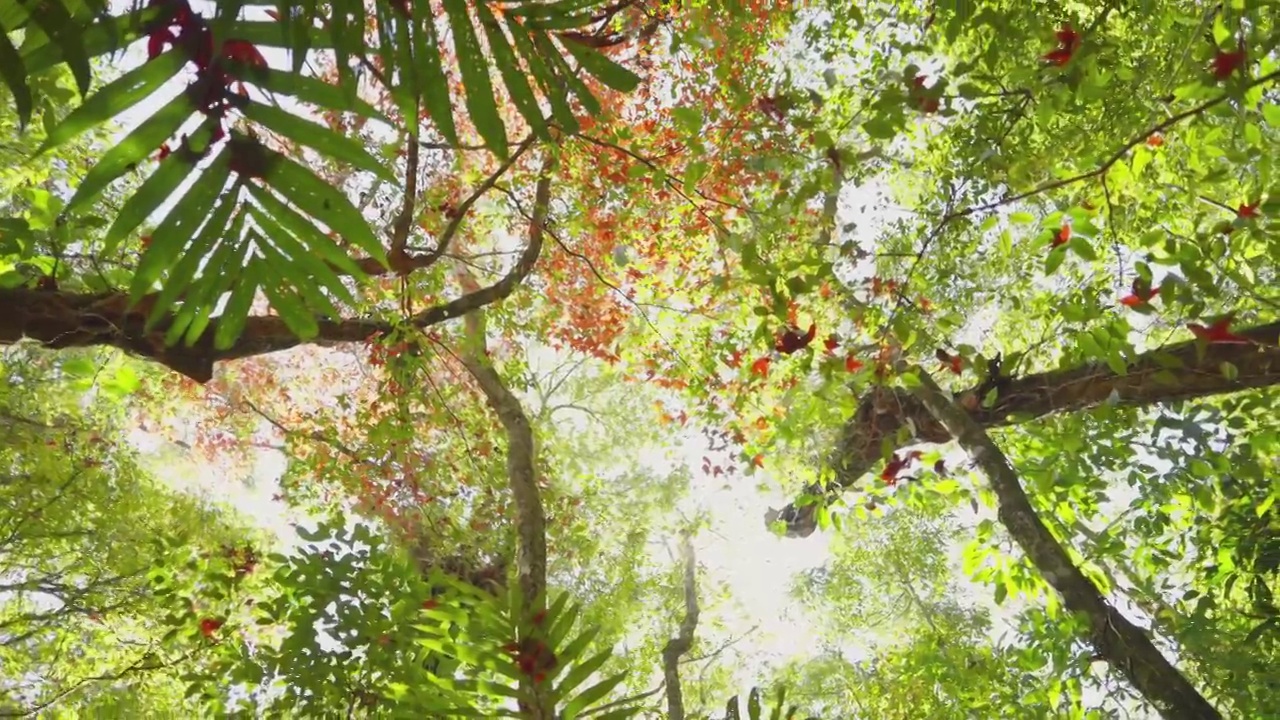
(1247, 211)
(831, 343)
(853, 364)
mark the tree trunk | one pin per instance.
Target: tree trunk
(1117, 640)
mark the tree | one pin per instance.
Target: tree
(1071, 250)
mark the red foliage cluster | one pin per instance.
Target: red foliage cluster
(897, 463)
(1219, 332)
(1068, 43)
(534, 658)
(1226, 63)
(212, 88)
(209, 626)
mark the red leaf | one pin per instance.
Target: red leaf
(761, 367)
(1219, 332)
(1247, 211)
(758, 461)
(1155, 141)
(853, 364)
(157, 41)
(1226, 63)
(1068, 43)
(1142, 292)
(209, 626)
(1062, 236)
(831, 343)
(243, 51)
(164, 152)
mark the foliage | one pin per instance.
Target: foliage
(83, 526)
(753, 228)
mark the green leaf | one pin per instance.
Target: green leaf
(1054, 260)
(302, 87)
(594, 694)
(104, 35)
(1021, 218)
(551, 54)
(605, 70)
(294, 254)
(514, 78)
(121, 94)
(315, 136)
(14, 72)
(475, 79)
(1082, 247)
(180, 224)
(322, 201)
(234, 315)
(136, 147)
(552, 88)
(580, 672)
(293, 311)
(753, 704)
(284, 35)
(64, 31)
(180, 274)
(431, 77)
(171, 173)
(306, 233)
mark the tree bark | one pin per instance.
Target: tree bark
(1121, 643)
(58, 320)
(1182, 371)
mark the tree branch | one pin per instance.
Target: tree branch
(680, 644)
(1183, 371)
(1117, 640)
(58, 320)
(521, 454)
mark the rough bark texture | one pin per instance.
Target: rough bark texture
(522, 479)
(1178, 372)
(1121, 643)
(680, 644)
(59, 320)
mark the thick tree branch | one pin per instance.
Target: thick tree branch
(60, 320)
(1117, 640)
(1183, 371)
(680, 644)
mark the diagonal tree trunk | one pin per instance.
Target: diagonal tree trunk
(1117, 640)
(1182, 371)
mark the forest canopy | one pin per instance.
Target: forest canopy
(639, 359)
